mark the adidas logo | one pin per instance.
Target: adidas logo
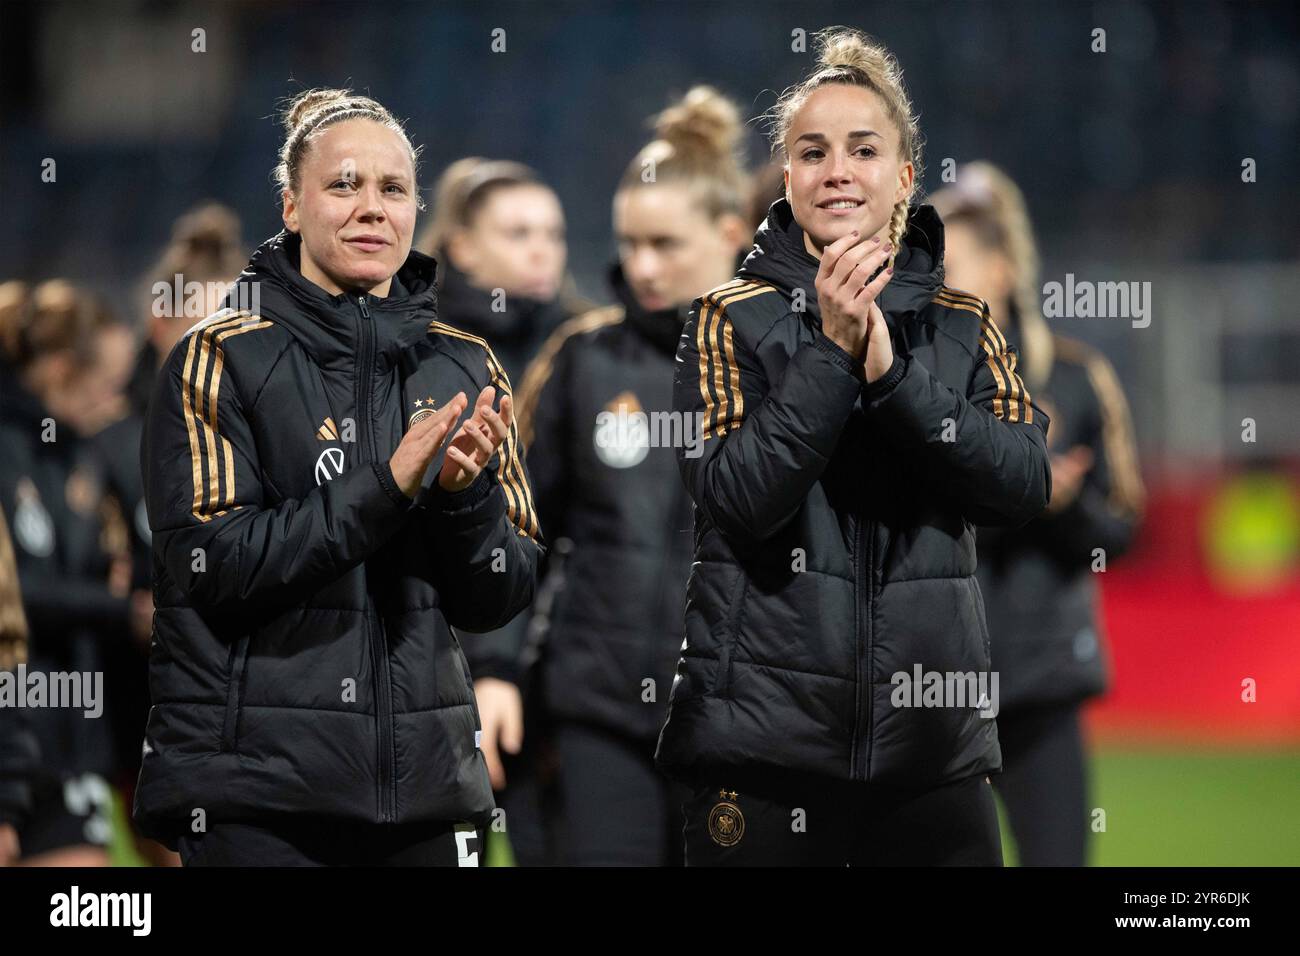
(328, 431)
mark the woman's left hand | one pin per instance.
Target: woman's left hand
(476, 442)
(880, 352)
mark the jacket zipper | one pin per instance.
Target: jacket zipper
(857, 646)
(378, 650)
(862, 686)
(864, 679)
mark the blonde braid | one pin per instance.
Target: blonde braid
(897, 229)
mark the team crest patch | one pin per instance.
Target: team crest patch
(726, 822)
(622, 435)
(424, 408)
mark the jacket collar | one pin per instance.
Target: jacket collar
(780, 258)
(662, 328)
(328, 325)
(507, 323)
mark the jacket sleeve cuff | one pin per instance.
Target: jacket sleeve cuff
(440, 499)
(384, 472)
(836, 354)
(887, 382)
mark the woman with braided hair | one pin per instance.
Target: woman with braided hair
(833, 703)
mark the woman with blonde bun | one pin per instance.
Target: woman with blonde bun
(333, 483)
(833, 703)
(592, 407)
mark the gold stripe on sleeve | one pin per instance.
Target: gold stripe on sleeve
(991, 358)
(715, 342)
(199, 400)
(192, 375)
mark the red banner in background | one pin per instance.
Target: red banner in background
(1203, 619)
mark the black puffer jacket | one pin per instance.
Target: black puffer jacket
(592, 410)
(302, 659)
(834, 520)
(1039, 583)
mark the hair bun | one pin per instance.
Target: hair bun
(844, 48)
(702, 122)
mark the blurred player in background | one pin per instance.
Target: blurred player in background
(498, 235)
(605, 475)
(1039, 588)
(61, 374)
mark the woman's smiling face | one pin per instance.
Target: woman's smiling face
(844, 168)
(355, 208)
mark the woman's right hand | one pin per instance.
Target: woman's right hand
(421, 443)
(843, 294)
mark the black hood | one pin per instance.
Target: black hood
(662, 328)
(470, 308)
(779, 257)
(326, 324)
